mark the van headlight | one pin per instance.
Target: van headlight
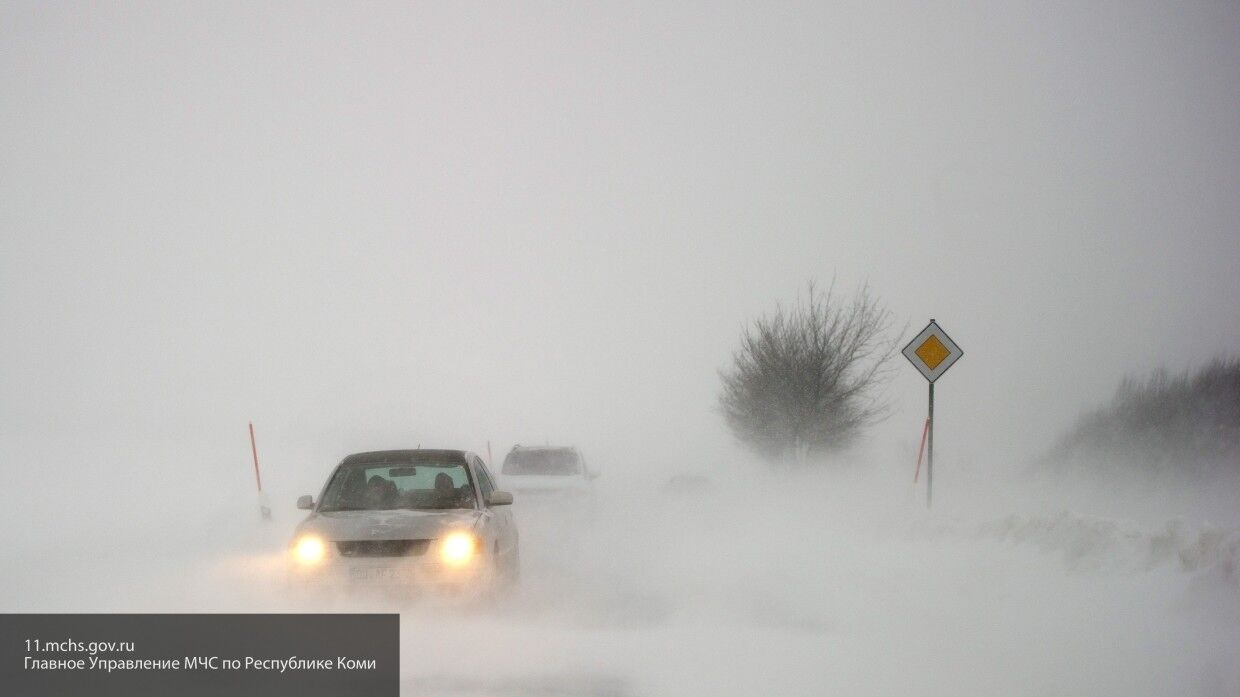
(309, 550)
(459, 548)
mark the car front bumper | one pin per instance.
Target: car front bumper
(396, 574)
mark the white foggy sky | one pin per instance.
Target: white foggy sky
(376, 225)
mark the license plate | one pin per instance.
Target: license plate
(373, 574)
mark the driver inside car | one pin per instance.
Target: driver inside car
(380, 492)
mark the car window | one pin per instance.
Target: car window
(484, 479)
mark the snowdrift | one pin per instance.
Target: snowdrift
(1090, 543)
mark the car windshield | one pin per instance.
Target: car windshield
(554, 461)
(382, 487)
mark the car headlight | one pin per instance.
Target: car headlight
(309, 550)
(458, 548)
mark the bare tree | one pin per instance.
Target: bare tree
(1188, 422)
(805, 379)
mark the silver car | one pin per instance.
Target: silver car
(415, 519)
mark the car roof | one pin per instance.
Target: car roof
(544, 447)
(406, 456)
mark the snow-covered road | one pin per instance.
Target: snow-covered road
(790, 590)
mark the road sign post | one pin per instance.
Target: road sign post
(931, 352)
(930, 450)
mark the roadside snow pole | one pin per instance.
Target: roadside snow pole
(921, 450)
(263, 508)
(931, 352)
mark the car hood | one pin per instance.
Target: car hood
(388, 525)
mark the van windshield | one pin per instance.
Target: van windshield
(552, 461)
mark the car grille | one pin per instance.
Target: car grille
(382, 548)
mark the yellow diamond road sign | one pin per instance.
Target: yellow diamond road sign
(932, 351)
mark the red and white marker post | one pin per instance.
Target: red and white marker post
(264, 508)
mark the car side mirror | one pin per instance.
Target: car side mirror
(499, 498)
(305, 503)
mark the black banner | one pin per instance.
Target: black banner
(199, 655)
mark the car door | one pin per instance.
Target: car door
(501, 516)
